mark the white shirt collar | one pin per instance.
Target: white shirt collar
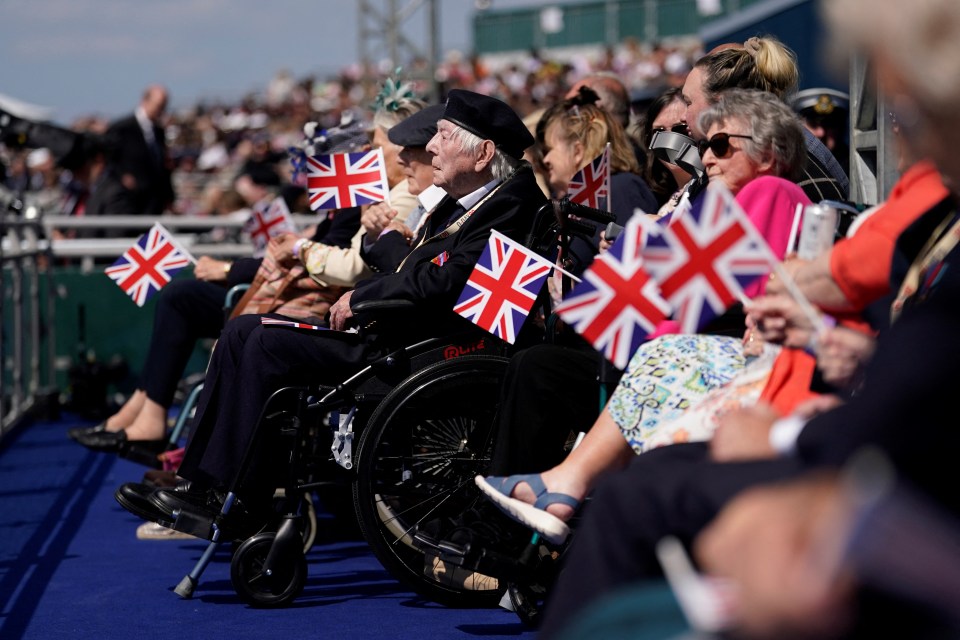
(471, 199)
(145, 124)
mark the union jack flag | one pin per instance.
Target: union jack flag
(618, 304)
(503, 286)
(149, 264)
(705, 257)
(266, 221)
(590, 186)
(341, 180)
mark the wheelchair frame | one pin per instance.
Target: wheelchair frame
(419, 448)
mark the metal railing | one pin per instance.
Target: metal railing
(189, 232)
(26, 312)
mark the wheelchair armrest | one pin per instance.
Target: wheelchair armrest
(382, 306)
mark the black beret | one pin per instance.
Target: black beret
(418, 129)
(489, 118)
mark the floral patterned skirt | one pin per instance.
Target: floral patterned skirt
(672, 374)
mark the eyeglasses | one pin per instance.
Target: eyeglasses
(719, 144)
(680, 127)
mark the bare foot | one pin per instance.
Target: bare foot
(150, 423)
(125, 416)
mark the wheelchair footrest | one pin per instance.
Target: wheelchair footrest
(512, 567)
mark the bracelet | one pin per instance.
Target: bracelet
(297, 246)
(226, 268)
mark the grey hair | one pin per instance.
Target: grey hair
(774, 127)
(501, 166)
(405, 107)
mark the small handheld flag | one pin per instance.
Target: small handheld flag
(268, 220)
(590, 186)
(503, 286)
(705, 258)
(617, 305)
(149, 264)
(340, 180)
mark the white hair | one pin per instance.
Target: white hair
(502, 164)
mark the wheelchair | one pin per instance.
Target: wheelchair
(408, 433)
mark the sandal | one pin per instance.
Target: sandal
(535, 516)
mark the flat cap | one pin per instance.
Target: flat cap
(418, 129)
(489, 118)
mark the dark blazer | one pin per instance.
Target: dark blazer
(128, 153)
(434, 288)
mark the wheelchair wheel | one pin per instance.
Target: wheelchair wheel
(255, 587)
(417, 457)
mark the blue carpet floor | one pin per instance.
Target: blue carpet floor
(71, 566)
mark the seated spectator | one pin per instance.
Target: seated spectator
(476, 160)
(571, 134)
(768, 65)
(192, 309)
(753, 139)
(666, 179)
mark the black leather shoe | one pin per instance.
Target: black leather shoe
(185, 495)
(112, 441)
(135, 498)
(77, 432)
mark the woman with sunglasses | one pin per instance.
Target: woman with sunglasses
(754, 147)
(570, 135)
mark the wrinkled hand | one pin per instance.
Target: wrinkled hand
(780, 545)
(340, 312)
(281, 248)
(792, 264)
(841, 353)
(780, 320)
(400, 228)
(376, 218)
(744, 434)
(210, 270)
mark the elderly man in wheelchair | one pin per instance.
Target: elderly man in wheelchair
(236, 456)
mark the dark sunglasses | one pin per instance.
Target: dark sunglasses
(719, 144)
(680, 127)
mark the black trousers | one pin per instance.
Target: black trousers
(675, 490)
(249, 363)
(186, 311)
(549, 391)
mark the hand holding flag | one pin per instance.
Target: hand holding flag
(149, 264)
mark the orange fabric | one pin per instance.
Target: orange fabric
(789, 381)
(861, 268)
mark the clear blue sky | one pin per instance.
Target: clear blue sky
(96, 56)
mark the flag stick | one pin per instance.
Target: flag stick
(794, 228)
(801, 299)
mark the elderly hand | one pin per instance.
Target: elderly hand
(210, 270)
(281, 248)
(841, 353)
(376, 218)
(604, 243)
(780, 320)
(400, 228)
(340, 312)
(744, 434)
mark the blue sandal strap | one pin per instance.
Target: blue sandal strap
(506, 485)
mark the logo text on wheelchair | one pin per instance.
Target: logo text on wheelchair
(457, 350)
